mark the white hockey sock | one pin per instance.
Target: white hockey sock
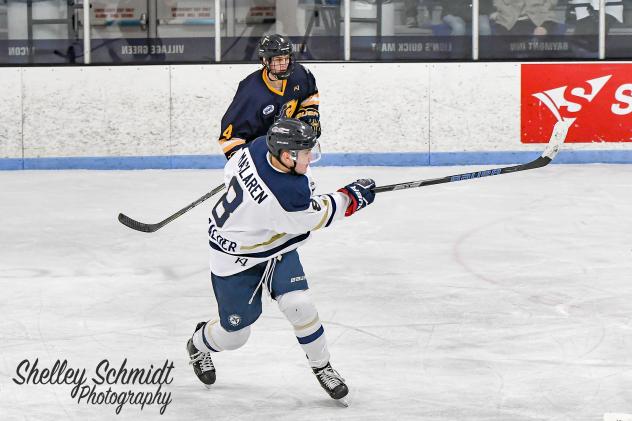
(212, 337)
(314, 343)
(203, 340)
(299, 309)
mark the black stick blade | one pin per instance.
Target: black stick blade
(135, 225)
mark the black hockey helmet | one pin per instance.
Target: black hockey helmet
(276, 45)
(292, 135)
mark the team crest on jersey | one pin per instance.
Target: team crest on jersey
(288, 108)
(268, 110)
(234, 319)
(297, 88)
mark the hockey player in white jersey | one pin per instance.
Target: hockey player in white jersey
(269, 209)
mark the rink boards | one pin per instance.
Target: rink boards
(401, 114)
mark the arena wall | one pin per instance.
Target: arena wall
(372, 114)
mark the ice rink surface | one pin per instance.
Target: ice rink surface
(506, 298)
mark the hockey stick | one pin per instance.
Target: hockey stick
(557, 138)
(140, 226)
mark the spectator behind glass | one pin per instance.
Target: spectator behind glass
(457, 12)
(485, 9)
(587, 15)
(524, 17)
(410, 12)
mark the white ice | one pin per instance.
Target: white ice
(506, 298)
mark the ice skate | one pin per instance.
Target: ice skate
(201, 362)
(333, 384)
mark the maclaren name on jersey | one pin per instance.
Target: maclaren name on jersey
(250, 179)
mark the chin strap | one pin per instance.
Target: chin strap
(292, 169)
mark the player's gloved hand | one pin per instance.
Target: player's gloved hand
(310, 116)
(360, 193)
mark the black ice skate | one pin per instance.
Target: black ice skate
(201, 362)
(333, 383)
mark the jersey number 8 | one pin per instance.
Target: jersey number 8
(225, 206)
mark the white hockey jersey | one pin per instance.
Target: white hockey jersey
(264, 212)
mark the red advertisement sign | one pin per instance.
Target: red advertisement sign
(598, 96)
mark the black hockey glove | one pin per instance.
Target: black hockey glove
(360, 193)
(310, 116)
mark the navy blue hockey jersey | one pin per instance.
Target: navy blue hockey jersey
(257, 104)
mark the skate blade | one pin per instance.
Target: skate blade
(344, 402)
(208, 386)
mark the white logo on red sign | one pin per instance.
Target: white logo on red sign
(597, 97)
(555, 99)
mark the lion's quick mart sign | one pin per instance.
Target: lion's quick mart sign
(597, 95)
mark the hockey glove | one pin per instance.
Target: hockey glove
(310, 116)
(360, 194)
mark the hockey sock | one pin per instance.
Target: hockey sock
(212, 337)
(298, 308)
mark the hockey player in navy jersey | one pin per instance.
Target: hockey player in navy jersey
(269, 210)
(281, 88)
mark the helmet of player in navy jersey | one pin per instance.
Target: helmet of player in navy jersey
(276, 45)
